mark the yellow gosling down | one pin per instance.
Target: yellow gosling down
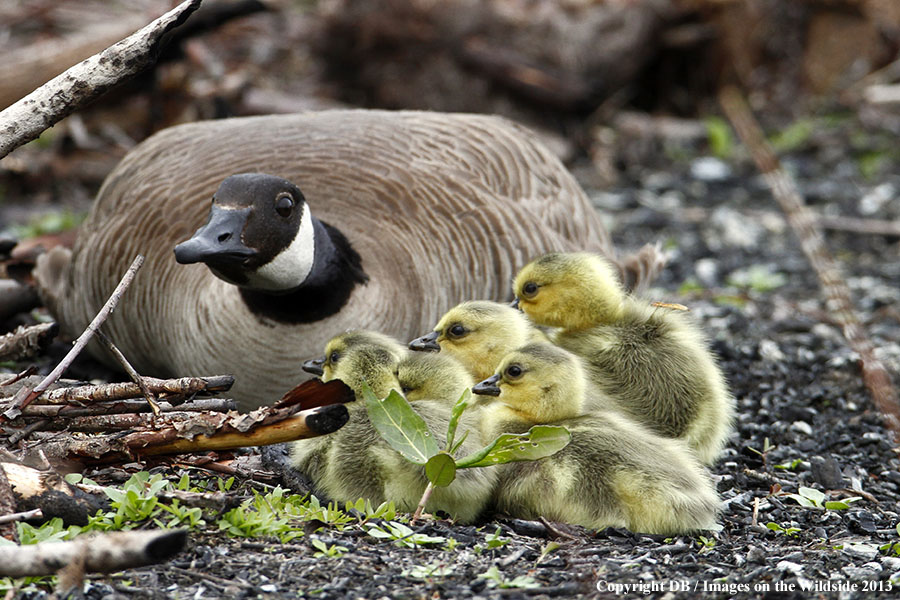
(479, 333)
(652, 361)
(613, 473)
(355, 462)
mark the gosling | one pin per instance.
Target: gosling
(613, 472)
(355, 462)
(653, 361)
(479, 334)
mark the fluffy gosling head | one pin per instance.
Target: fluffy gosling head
(358, 356)
(478, 334)
(541, 382)
(569, 290)
(433, 377)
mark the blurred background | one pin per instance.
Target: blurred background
(625, 91)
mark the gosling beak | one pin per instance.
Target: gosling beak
(314, 366)
(515, 303)
(219, 241)
(488, 387)
(426, 343)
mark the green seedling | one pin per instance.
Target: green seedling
(495, 541)
(767, 447)
(546, 550)
(495, 579)
(406, 432)
(813, 498)
(403, 535)
(326, 551)
(892, 547)
(790, 466)
(706, 544)
(366, 512)
(721, 142)
(433, 571)
(788, 531)
(757, 278)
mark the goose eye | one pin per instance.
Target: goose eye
(333, 357)
(405, 390)
(529, 289)
(457, 330)
(284, 204)
(514, 371)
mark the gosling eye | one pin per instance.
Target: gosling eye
(284, 205)
(457, 330)
(513, 371)
(529, 289)
(334, 357)
(405, 390)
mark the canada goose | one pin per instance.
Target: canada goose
(355, 462)
(401, 216)
(479, 333)
(613, 472)
(653, 361)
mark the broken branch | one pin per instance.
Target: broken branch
(24, 397)
(171, 388)
(29, 117)
(105, 553)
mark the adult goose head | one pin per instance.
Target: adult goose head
(408, 214)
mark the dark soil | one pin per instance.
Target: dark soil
(805, 418)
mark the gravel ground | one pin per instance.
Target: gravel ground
(805, 418)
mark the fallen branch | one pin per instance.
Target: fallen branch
(31, 370)
(170, 388)
(105, 553)
(25, 397)
(48, 491)
(106, 423)
(837, 295)
(29, 117)
(26, 342)
(124, 407)
(21, 516)
(132, 373)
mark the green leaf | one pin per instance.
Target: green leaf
(813, 494)
(841, 504)
(400, 426)
(538, 442)
(441, 469)
(455, 414)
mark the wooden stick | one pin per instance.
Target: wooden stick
(132, 373)
(22, 516)
(307, 424)
(25, 342)
(104, 553)
(837, 294)
(170, 388)
(125, 407)
(29, 117)
(25, 397)
(31, 370)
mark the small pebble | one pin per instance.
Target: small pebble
(802, 427)
(864, 551)
(867, 571)
(826, 472)
(770, 352)
(709, 168)
(756, 555)
(792, 567)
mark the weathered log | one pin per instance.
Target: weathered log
(104, 553)
(26, 342)
(47, 490)
(124, 407)
(169, 388)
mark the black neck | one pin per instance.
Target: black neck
(337, 269)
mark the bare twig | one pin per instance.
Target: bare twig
(170, 388)
(837, 295)
(132, 373)
(104, 553)
(125, 407)
(24, 397)
(29, 117)
(37, 513)
(31, 370)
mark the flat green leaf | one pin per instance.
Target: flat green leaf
(538, 442)
(441, 469)
(813, 494)
(458, 408)
(802, 500)
(842, 504)
(400, 426)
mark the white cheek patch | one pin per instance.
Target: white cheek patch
(291, 266)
